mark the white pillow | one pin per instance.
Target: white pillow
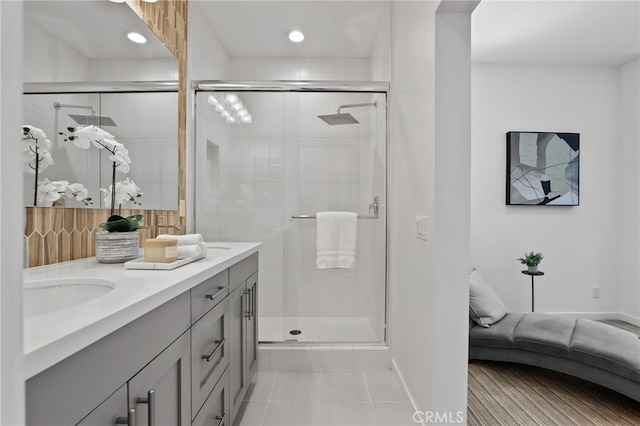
(485, 307)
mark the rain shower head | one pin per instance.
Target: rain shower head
(344, 118)
(86, 120)
(335, 119)
(96, 120)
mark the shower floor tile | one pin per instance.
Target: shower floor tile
(317, 329)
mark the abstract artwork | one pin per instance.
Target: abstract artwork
(543, 168)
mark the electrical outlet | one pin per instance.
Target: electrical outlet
(421, 227)
(595, 292)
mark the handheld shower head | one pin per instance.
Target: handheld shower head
(344, 118)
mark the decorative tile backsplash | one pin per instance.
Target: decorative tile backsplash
(57, 235)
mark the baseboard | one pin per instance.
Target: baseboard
(398, 373)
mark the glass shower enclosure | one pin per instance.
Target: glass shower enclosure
(268, 157)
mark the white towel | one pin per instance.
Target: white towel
(336, 239)
(183, 240)
(192, 250)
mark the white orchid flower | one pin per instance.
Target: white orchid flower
(51, 191)
(126, 191)
(123, 161)
(78, 191)
(47, 193)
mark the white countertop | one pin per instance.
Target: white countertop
(50, 338)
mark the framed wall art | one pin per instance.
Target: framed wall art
(543, 168)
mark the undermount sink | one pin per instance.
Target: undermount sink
(45, 296)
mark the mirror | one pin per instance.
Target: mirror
(71, 49)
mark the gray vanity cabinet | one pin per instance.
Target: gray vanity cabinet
(187, 362)
(243, 328)
(105, 415)
(238, 311)
(160, 392)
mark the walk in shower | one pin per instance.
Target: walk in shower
(268, 157)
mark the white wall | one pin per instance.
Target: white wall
(47, 58)
(299, 69)
(132, 69)
(629, 191)
(207, 59)
(429, 288)
(11, 217)
(580, 244)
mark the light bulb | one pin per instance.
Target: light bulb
(225, 114)
(246, 118)
(231, 98)
(212, 100)
(219, 108)
(136, 37)
(237, 106)
(243, 112)
(295, 36)
(231, 120)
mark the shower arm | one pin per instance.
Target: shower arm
(373, 104)
(58, 105)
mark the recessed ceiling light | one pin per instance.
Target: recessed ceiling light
(295, 36)
(136, 37)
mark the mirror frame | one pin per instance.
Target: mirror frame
(55, 235)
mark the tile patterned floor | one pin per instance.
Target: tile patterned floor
(317, 329)
(325, 398)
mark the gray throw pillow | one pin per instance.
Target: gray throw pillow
(485, 307)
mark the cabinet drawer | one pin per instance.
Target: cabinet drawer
(215, 411)
(208, 294)
(209, 353)
(242, 270)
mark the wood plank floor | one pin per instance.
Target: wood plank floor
(509, 394)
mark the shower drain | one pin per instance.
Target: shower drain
(295, 332)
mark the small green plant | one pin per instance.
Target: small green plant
(117, 223)
(531, 259)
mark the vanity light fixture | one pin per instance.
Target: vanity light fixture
(295, 36)
(136, 37)
(231, 108)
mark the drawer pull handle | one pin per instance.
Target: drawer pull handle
(215, 350)
(214, 295)
(151, 408)
(222, 418)
(129, 420)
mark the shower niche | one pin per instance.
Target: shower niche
(145, 122)
(302, 152)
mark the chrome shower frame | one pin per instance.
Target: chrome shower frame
(382, 87)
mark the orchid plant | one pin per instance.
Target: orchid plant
(126, 191)
(36, 157)
(49, 192)
(85, 136)
(35, 153)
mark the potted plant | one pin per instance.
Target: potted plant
(121, 241)
(532, 260)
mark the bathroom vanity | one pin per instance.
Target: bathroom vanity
(163, 348)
